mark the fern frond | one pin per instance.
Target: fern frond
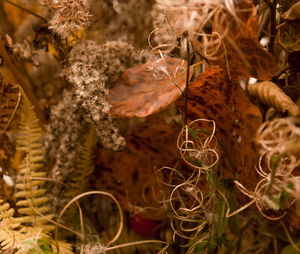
(30, 192)
(85, 164)
(9, 227)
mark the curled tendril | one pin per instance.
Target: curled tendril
(256, 197)
(197, 149)
(278, 134)
(180, 192)
(278, 160)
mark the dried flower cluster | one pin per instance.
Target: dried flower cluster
(128, 20)
(173, 19)
(92, 68)
(62, 141)
(63, 136)
(67, 16)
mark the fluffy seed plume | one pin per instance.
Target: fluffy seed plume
(67, 16)
(92, 68)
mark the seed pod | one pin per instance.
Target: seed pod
(270, 94)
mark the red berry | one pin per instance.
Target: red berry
(143, 226)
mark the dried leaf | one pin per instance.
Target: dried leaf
(7, 150)
(270, 94)
(289, 36)
(214, 97)
(130, 173)
(9, 102)
(293, 13)
(239, 51)
(147, 89)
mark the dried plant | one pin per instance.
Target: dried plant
(67, 16)
(77, 62)
(93, 68)
(278, 188)
(63, 144)
(272, 95)
(9, 101)
(180, 19)
(184, 194)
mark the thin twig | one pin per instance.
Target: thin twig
(26, 10)
(187, 81)
(273, 30)
(5, 26)
(23, 81)
(280, 72)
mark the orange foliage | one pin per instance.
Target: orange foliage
(130, 173)
(149, 88)
(234, 45)
(213, 96)
(152, 144)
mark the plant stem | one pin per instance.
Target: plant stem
(5, 27)
(187, 81)
(274, 163)
(26, 10)
(272, 7)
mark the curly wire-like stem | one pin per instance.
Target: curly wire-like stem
(50, 220)
(103, 194)
(139, 242)
(288, 235)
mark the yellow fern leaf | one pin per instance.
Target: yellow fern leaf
(9, 227)
(31, 201)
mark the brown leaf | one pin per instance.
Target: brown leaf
(128, 174)
(239, 52)
(270, 94)
(7, 150)
(213, 96)
(293, 13)
(143, 91)
(289, 36)
(9, 101)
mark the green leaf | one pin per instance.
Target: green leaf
(222, 220)
(275, 159)
(233, 222)
(290, 249)
(283, 198)
(45, 246)
(213, 179)
(200, 247)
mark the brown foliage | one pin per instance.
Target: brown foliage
(215, 97)
(153, 144)
(9, 102)
(270, 94)
(293, 13)
(234, 45)
(149, 88)
(130, 173)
